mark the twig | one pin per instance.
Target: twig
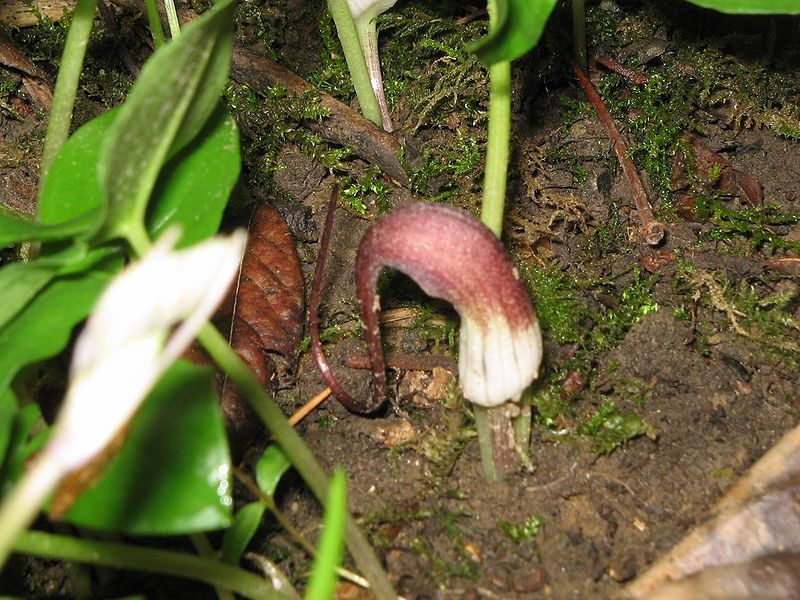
(343, 125)
(652, 231)
(404, 362)
(304, 410)
(635, 77)
(313, 313)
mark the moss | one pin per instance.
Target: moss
(8, 89)
(754, 223)
(355, 192)
(754, 309)
(424, 59)
(444, 169)
(609, 428)
(445, 561)
(557, 301)
(333, 75)
(568, 316)
(521, 532)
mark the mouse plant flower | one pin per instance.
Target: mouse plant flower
(143, 321)
(451, 256)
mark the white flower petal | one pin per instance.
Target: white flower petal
(369, 9)
(126, 344)
(497, 363)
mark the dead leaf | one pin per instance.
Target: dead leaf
(755, 531)
(734, 182)
(22, 13)
(653, 261)
(33, 78)
(266, 314)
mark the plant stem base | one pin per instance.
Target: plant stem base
(498, 440)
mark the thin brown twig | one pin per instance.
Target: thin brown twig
(635, 77)
(313, 309)
(652, 230)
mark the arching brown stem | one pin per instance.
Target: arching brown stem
(378, 371)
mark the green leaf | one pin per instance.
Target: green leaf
(789, 7)
(72, 189)
(270, 468)
(172, 474)
(177, 90)
(8, 412)
(23, 442)
(43, 328)
(21, 281)
(14, 230)
(331, 545)
(238, 535)
(517, 28)
(195, 185)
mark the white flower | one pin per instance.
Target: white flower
(146, 317)
(129, 341)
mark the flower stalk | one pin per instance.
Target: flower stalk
(364, 14)
(354, 56)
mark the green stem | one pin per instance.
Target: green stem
(490, 472)
(154, 19)
(497, 146)
(297, 451)
(499, 135)
(172, 19)
(24, 501)
(579, 33)
(488, 421)
(135, 558)
(204, 549)
(348, 36)
(69, 74)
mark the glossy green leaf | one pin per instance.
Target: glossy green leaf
(43, 328)
(172, 474)
(270, 468)
(195, 185)
(14, 230)
(331, 545)
(518, 26)
(238, 535)
(176, 92)
(789, 7)
(72, 189)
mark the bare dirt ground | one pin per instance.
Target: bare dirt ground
(668, 371)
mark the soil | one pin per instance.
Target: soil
(709, 377)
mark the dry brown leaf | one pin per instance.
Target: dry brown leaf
(267, 313)
(755, 531)
(33, 78)
(18, 13)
